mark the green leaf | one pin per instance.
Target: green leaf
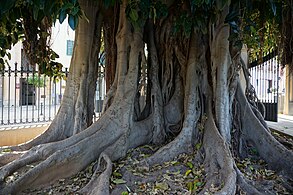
(9, 56)
(188, 172)
(116, 174)
(67, 6)
(190, 186)
(6, 150)
(162, 186)
(175, 162)
(2, 53)
(189, 164)
(73, 21)
(198, 146)
(176, 173)
(133, 15)
(62, 16)
(119, 181)
(198, 184)
(74, 11)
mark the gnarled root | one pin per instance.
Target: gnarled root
(67, 157)
(168, 152)
(219, 162)
(58, 160)
(245, 185)
(183, 142)
(99, 183)
(48, 150)
(267, 146)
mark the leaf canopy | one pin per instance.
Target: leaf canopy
(257, 23)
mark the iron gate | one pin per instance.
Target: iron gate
(265, 79)
(29, 97)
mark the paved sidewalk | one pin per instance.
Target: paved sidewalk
(284, 124)
(24, 126)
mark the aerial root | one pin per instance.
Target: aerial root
(219, 163)
(100, 182)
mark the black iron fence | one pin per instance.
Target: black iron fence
(265, 79)
(26, 96)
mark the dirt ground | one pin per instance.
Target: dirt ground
(183, 175)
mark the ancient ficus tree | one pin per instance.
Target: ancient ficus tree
(172, 70)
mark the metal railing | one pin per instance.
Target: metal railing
(265, 79)
(26, 96)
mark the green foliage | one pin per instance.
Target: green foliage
(199, 16)
(30, 21)
(197, 175)
(260, 27)
(71, 9)
(256, 24)
(36, 80)
(184, 23)
(118, 181)
(138, 11)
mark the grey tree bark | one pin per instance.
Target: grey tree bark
(190, 82)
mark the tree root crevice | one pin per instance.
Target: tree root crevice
(99, 183)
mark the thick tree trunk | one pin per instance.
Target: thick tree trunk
(220, 63)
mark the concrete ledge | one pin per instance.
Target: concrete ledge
(20, 134)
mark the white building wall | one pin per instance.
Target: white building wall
(61, 33)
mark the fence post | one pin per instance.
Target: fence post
(9, 84)
(2, 102)
(15, 75)
(41, 109)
